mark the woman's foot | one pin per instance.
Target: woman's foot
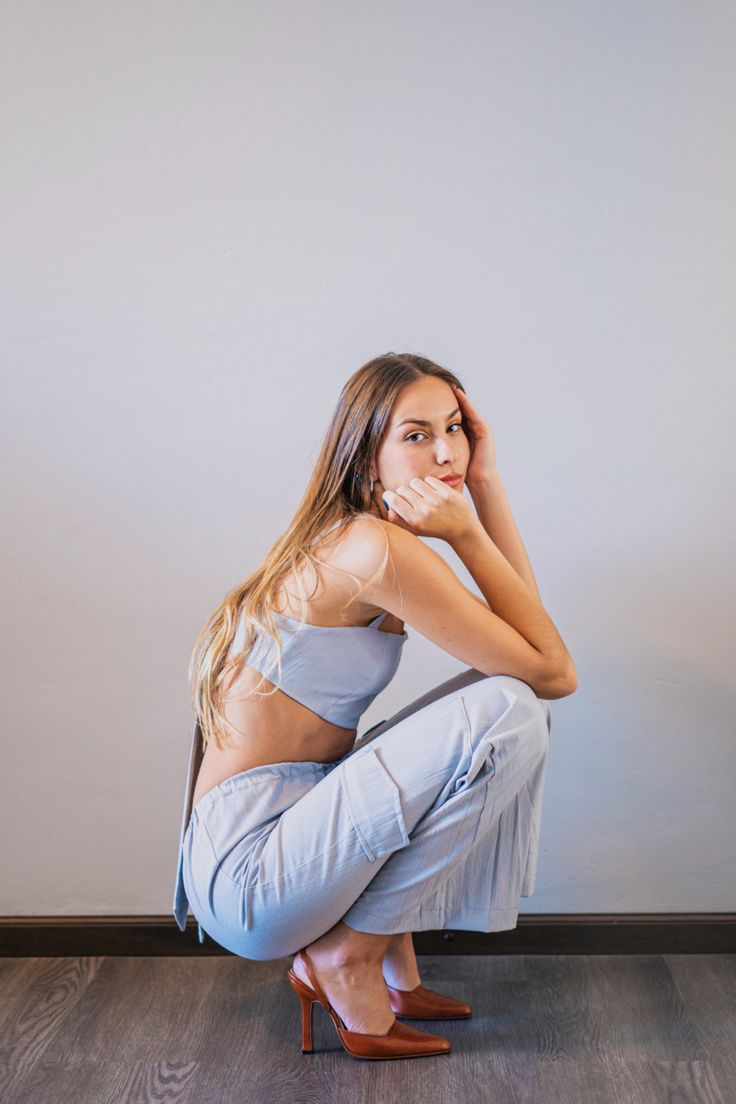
(356, 991)
(400, 969)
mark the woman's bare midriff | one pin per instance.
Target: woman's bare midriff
(279, 729)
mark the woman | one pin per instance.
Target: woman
(295, 838)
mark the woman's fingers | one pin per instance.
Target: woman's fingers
(427, 510)
(409, 499)
(404, 494)
(466, 406)
(462, 397)
(410, 504)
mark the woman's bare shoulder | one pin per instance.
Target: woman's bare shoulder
(374, 551)
(363, 543)
(364, 552)
(354, 553)
(354, 531)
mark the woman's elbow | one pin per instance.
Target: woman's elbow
(560, 683)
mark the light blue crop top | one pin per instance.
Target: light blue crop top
(335, 670)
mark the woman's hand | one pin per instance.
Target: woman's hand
(482, 464)
(428, 508)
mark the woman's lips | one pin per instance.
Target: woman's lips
(452, 479)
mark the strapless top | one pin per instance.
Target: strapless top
(336, 671)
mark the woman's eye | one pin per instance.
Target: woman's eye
(418, 432)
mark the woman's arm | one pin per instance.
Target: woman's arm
(493, 508)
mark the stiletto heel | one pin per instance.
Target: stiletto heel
(307, 1000)
(400, 1041)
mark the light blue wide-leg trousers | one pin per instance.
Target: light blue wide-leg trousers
(431, 821)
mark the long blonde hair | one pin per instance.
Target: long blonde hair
(339, 488)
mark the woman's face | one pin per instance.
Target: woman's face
(438, 446)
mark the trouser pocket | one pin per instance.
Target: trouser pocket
(373, 801)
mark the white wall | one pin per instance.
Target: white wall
(214, 213)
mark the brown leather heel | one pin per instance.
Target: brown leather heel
(400, 1041)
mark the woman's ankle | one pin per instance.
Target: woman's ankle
(400, 967)
(344, 947)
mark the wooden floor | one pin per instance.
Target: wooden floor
(546, 1028)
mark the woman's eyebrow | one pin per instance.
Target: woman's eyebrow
(421, 421)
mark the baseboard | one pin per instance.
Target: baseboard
(561, 933)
